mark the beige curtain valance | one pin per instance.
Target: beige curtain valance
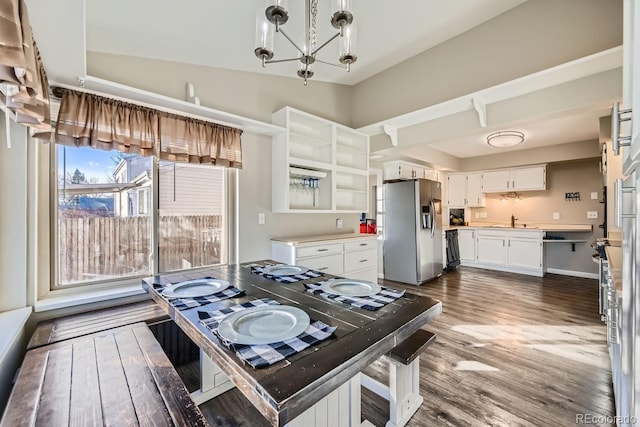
(94, 121)
(25, 90)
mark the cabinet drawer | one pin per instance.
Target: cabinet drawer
(370, 275)
(319, 250)
(525, 235)
(360, 245)
(493, 233)
(331, 264)
(360, 260)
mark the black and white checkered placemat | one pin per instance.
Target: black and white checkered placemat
(186, 303)
(371, 303)
(260, 356)
(309, 274)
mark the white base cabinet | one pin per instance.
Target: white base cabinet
(515, 250)
(352, 256)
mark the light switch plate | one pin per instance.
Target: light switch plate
(556, 215)
(594, 195)
(261, 218)
(592, 214)
(339, 223)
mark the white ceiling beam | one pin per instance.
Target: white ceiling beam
(583, 67)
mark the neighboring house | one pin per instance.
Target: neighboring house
(181, 190)
(134, 201)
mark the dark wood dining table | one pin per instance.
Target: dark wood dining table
(285, 390)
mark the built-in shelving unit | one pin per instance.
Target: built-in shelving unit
(318, 165)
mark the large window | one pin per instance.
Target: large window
(105, 223)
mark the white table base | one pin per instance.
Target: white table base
(403, 392)
(213, 382)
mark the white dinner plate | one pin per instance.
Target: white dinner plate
(195, 288)
(284, 270)
(263, 325)
(350, 287)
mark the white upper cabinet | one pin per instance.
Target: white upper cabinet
(457, 190)
(465, 190)
(516, 179)
(475, 198)
(404, 170)
(318, 165)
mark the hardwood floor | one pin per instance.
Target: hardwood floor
(511, 350)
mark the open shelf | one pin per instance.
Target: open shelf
(317, 152)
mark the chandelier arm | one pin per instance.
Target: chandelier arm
(291, 41)
(324, 44)
(274, 61)
(344, 67)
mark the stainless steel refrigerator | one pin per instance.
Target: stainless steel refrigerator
(413, 231)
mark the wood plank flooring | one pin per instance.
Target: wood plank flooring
(511, 350)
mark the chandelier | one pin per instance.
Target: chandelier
(273, 18)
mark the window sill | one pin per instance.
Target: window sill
(12, 325)
(87, 297)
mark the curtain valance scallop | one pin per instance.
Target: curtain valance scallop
(94, 121)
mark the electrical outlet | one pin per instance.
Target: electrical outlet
(261, 218)
(594, 195)
(592, 214)
(477, 215)
(556, 215)
(483, 214)
(339, 223)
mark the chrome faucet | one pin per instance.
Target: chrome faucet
(513, 221)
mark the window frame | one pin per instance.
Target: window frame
(54, 288)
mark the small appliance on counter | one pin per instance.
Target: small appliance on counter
(367, 226)
(456, 216)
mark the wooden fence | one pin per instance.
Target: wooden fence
(98, 248)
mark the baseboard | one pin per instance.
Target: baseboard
(572, 273)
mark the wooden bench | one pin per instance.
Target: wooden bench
(116, 377)
(403, 391)
(77, 325)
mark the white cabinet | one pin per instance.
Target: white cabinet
(457, 190)
(355, 257)
(531, 178)
(525, 250)
(467, 245)
(509, 249)
(405, 170)
(475, 198)
(318, 165)
(492, 247)
(516, 179)
(465, 190)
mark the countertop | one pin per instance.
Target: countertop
(535, 227)
(320, 238)
(614, 256)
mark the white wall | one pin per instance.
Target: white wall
(13, 218)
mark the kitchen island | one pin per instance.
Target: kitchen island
(321, 381)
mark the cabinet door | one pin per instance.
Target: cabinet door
(405, 171)
(492, 250)
(525, 253)
(475, 198)
(496, 181)
(467, 245)
(529, 178)
(457, 189)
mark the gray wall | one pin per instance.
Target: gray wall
(247, 94)
(531, 37)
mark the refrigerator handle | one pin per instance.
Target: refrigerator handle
(434, 217)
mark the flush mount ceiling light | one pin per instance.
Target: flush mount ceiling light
(506, 138)
(271, 20)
